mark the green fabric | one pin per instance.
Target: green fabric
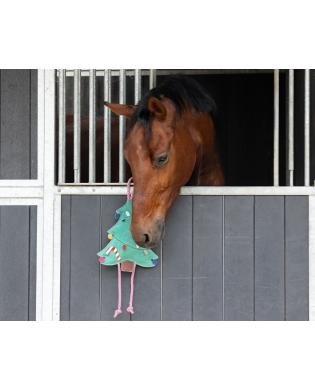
(121, 239)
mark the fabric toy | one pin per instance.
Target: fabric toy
(124, 252)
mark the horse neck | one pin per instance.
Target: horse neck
(208, 170)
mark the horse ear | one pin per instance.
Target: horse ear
(121, 109)
(157, 108)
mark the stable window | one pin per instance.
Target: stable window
(262, 124)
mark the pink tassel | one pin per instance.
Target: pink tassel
(118, 310)
(132, 277)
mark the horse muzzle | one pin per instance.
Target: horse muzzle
(148, 236)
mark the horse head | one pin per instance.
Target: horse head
(162, 147)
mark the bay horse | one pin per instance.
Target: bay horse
(170, 142)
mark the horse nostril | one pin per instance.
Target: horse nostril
(146, 238)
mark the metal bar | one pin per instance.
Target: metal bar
(77, 125)
(122, 125)
(152, 78)
(202, 191)
(137, 85)
(291, 128)
(107, 127)
(307, 128)
(276, 127)
(92, 128)
(62, 126)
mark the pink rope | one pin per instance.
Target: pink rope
(118, 310)
(129, 194)
(132, 277)
(130, 307)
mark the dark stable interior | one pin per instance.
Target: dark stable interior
(244, 124)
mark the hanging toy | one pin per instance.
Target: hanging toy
(124, 252)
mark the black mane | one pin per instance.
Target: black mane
(183, 91)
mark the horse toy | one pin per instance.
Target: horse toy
(124, 252)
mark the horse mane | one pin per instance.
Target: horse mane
(183, 91)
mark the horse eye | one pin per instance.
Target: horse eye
(161, 160)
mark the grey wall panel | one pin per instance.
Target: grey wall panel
(296, 257)
(32, 262)
(65, 257)
(257, 269)
(109, 280)
(207, 257)
(269, 258)
(147, 296)
(17, 258)
(18, 125)
(33, 123)
(239, 258)
(177, 262)
(84, 275)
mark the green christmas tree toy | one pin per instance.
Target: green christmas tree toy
(124, 252)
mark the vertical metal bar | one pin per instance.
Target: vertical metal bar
(291, 128)
(92, 129)
(276, 127)
(152, 78)
(107, 127)
(77, 125)
(122, 125)
(137, 85)
(307, 128)
(62, 127)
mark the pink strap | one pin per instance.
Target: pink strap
(132, 277)
(129, 194)
(118, 310)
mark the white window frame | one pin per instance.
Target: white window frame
(42, 193)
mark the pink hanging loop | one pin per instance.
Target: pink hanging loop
(129, 194)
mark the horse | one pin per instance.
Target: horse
(170, 142)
